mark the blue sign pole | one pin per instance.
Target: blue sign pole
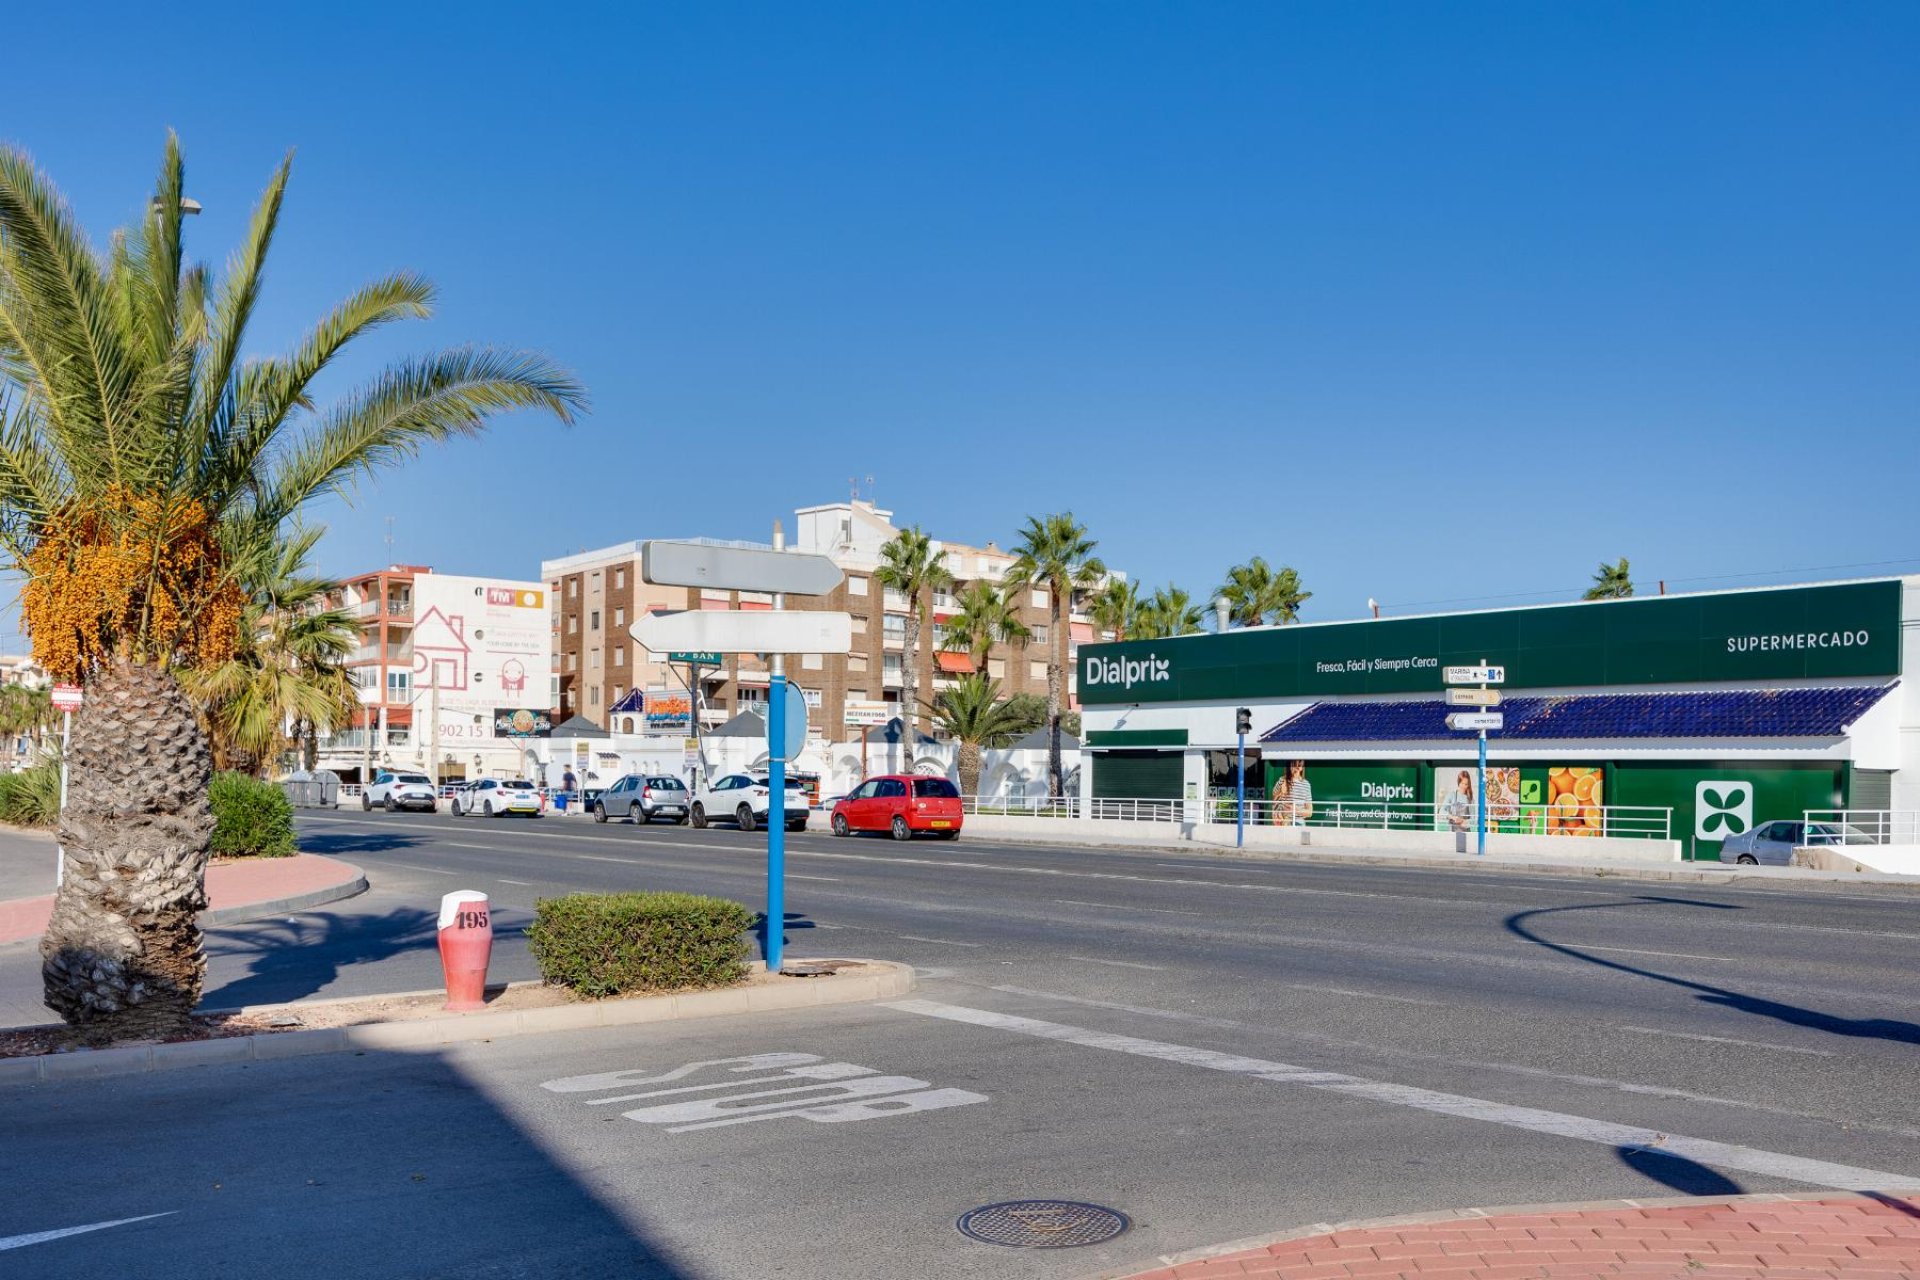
(1240, 796)
(776, 815)
(1480, 797)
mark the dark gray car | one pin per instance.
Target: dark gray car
(642, 797)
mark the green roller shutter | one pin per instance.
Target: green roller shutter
(1138, 775)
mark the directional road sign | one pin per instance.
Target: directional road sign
(702, 659)
(795, 723)
(1476, 720)
(1476, 675)
(744, 631)
(1473, 697)
(699, 564)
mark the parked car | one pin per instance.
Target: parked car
(901, 805)
(496, 798)
(642, 797)
(747, 800)
(1771, 844)
(390, 791)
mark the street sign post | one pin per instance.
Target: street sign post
(701, 564)
(705, 658)
(1481, 720)
(771, 631)
(69, 698)
(1482, 674)
(1473, 697)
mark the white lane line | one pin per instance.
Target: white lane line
(795, 875)
(41, 1237)
(1629, 951)
(1370, 995)
(1121, 964)
(1720, 1155)
(1121, 906)
(1750, 1044)
(432, 871)
(524, 884)
(944, 942)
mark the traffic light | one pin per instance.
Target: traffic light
(1243, 720)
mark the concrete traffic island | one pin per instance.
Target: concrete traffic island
(417, 1020)
(1759, 1236)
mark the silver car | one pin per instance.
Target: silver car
(1771, 844)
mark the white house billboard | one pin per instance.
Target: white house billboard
(479, 644)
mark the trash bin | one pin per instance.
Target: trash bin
(560, 801)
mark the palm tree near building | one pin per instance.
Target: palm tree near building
(1116, 608)
(1169, 611)
(1258, 594)
(988, 615)
(910, 565)
(149, 468)
(1055, 552)
(287, 681)
(972, 713)
(26, 712)
(1611, 582)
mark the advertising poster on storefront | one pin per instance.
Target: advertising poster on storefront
(1575, 800)
(1456, 802)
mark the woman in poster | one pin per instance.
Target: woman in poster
(1457, 808)
(1293, 796)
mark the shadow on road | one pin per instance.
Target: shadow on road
(795, 920)
(292, 959)
(1867, 1028)
(1686, 1176)
(380, 1165)
(334, 844)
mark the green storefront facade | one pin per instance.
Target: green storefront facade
(1158, 713)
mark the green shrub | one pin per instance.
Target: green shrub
(605, 944)
(31, 797)
(251, 818)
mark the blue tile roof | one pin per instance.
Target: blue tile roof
(1723, 713)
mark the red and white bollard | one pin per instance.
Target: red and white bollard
(466, 943)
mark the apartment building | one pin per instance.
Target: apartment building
(597, 594)
(461, 664)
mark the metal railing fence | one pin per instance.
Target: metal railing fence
(1592, 821)
(1861, 826)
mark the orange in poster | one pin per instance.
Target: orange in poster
(1592, 816)
(1585, 786)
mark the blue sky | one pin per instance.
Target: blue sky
(1433, 302)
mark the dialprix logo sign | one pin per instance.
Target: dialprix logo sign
(1722, 809)
(1125, 673)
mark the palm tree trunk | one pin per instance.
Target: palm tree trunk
(1056, 611)
(969, 768)
(121, 957)
(910, 679)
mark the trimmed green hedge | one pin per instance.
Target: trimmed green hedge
(608, 944)
(251, 818)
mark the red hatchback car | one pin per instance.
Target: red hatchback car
(901, 805)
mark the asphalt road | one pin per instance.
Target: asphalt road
(1217, 1048)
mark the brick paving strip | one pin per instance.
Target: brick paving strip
(1869, 1236)
(235, 891)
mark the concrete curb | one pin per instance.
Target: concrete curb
(429, 1033)
(1192, 1256)
(351, 887)
(1681, 873)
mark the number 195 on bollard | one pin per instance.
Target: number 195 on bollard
(466, 944)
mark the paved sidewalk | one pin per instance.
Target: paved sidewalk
(233, 889)
(1771, 1237)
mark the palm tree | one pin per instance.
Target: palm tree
(987, 616)
(1169, 611)
(1116, 609)
(973, 713)
(1257, 594)
(148, 468)
(288, 680)
(1056, 553)
(27, 712)
(1611, 582)
(910, 565)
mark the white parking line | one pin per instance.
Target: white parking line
(1120, 964)
(1749, 1044)
(1721, 1155)
(1629, 951)
(1370, 995)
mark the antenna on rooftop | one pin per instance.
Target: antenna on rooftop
(389, 539)
(869, 490)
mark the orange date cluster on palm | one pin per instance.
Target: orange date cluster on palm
(129, 576)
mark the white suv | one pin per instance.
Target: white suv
(747, 800)
(495, 798)
(390, 791)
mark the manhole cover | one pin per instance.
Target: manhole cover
(815, 968)
(1042, 1224)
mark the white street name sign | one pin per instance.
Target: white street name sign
(1476, 720)
(1473, 697)
(1476, 675)
(698, 564)
(745, 631)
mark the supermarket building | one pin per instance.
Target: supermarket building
(1721, 710)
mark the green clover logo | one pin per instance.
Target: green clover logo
(1725, 810)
